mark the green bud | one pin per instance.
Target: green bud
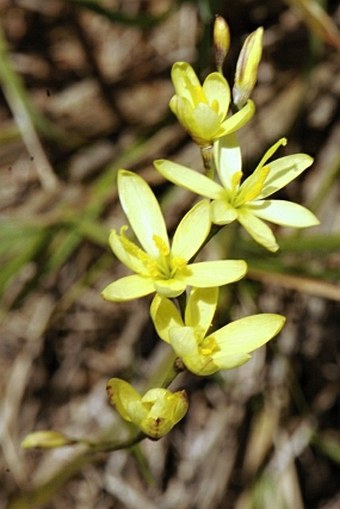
(221, 41)
(247, 67)
(155, 413)
(46, 440)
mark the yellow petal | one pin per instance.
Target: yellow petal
(170, 288)
(184, 343)
(123, 397)
(222, 212)
(200, 308)
(228, 157)
(257, 229)
(128, 288)
(142, 209)
(237, 120)
(284, 170)
(284, 213)
(127, 252)
(166, 409)
(192, 231)
(217, 92)
(248, 334)
(204, 124)
(164, 315)
(215, 273)
(184, 79)
(189, 179)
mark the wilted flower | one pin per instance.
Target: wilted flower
(155, 413)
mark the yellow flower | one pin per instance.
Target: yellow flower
(160, 267)
(226, 348)
(202, 110)
(155, 413)
(246, 202)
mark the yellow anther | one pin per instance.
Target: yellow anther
(209, 346)
(178, 263)
(215, 106)
(198, 95)
(131, 247)
(161, 245)
(256, 188)
(236, 179)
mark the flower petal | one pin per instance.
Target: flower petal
(222, 212)
(166, 410)
(142, 209)
(205, 123)
(248, 334)
(128, 257)
(170, 288)
(192, 231)
(184, 79)
(284, 170)
(182, 108)
(237, 120)
(164, 315)
(123, 396)
(128, 288)
(184, 343)
(189, 179)
(257, 229)
(215, 273)
(200, 308)
(225, 360)
(228, 158)
(284, 213)
(217, 92)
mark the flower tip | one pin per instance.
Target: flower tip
(221, 36)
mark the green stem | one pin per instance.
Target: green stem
(208, 160)
(42, 494)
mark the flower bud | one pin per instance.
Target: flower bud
(155, 413)
(246, 68)
(221, 36)
(46, 440)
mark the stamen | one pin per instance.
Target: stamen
(256, 188)
(131, 247)
(236, 179)
(209, 346)
(161, 245)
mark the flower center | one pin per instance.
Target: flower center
(252, 187)
(166, 266)
(208, 346)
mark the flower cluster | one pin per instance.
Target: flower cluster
(167, 268)
(186, 291)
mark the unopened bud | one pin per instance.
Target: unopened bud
(221, 41)
(46, 440)
(247, 67)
